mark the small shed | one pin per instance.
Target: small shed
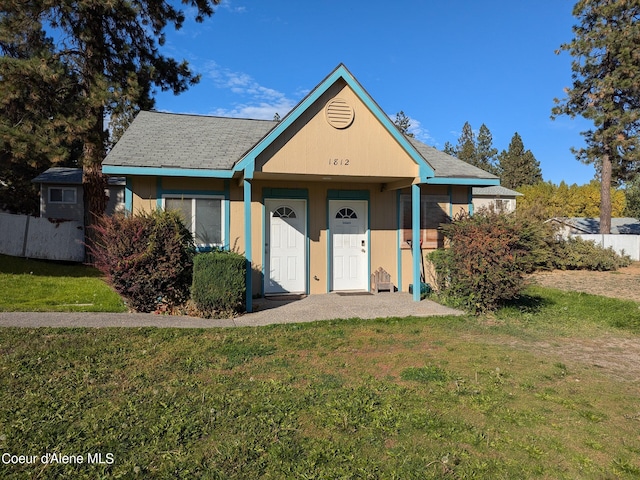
(62, 195)
(497, 197)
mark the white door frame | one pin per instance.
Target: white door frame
(300, 207)
(361, 206)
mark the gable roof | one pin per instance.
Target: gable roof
(342, 73)
(195, 145)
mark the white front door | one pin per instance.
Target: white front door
(285, 246)
(349, 249)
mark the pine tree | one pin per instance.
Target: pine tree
(403, 123)
(517, 166)
(38, 108)
(485, 155)
(112, 48)
(606, 68)
(449, 149)
(466, 148)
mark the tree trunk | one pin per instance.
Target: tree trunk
(605, 193)
(93, 182)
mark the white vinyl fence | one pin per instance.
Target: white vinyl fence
(35, 237)
(622, 244)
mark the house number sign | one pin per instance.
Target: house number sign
(339, 162)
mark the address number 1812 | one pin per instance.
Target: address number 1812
(339, 162)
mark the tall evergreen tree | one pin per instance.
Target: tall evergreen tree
(605, 90)
(112, 48)
(449, 149)
(517, 166)
(477, 151)
(466, 148)
(403, 123)
(38, 104)
(485, 157)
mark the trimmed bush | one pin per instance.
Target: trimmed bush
(485, 263)
(219, 283)
(576, 253)
(147, 258)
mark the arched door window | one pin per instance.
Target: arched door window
(346, 213)
(284, 212)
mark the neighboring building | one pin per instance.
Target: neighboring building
(316, 202)
(498, 198)
(582, 225)
(62, 195)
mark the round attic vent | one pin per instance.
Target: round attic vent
(339, 113)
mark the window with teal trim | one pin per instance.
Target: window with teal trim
(202, 215)
(433, 212)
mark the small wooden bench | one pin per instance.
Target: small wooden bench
(381, 280)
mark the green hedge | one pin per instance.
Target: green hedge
(219, 283)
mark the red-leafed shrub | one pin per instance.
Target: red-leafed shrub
(147, 258)
(488, 255)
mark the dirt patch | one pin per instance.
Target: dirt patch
(623, 284)
(616, 356)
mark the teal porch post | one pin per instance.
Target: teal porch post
(415, 240)
(247, 244)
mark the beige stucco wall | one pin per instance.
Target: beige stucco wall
(312, 146)
(383, 220)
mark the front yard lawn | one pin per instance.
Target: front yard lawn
(43, 286)
(512, 395)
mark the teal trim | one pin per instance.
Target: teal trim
(226, 205)
(399, 240)
(158, 193)
(286, 193)
(247, 246)
(415, 240)
(263, 213)
(348, 195)
(128, 196)
(166, 171)
(329, 248)
(470, 200)
(340, 72)
(462, 181)
(227, 215)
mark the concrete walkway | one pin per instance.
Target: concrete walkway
(267, 312)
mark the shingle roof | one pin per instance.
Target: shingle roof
(495, 191)
(157, 139)
(61, 175)
(172, 140)
(447, 166)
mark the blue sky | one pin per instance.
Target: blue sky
(442, 63)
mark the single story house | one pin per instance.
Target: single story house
(62, 195)
(496, 197)
(316, 201)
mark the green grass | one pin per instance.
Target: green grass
(42, 286)
(452, 397)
